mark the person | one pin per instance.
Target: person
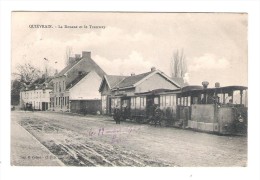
(157, 116)
(117, 115)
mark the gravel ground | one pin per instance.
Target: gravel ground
(98, 141)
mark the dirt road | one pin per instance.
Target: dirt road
(98, 141)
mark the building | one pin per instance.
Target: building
(75, 88)
(113, 88)
(37, 94)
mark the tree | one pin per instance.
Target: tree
(179, 66)
(27, 73)
(68, 54)
(24, 75)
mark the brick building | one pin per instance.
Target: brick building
(77, 85)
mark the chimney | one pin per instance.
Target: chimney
(77, 57)
(71, 60)
(153, 69)
(217, 85)
(86, 54)
(132, 74)
(205, 84)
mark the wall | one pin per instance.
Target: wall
(87, 88)
(36, 97)
(154, 82)
(203, 113)
(85, 106)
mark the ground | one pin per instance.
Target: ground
(75, 140)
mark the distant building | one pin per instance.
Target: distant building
(113, 88)
(37, 94)
(75, 88)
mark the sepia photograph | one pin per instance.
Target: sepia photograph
(129, 89)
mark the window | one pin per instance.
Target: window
(167, 100)
(156, 100)
(142, 102)
(162, 101)
(133, 102)
(195, 100)
(137, 102)
(174, 100)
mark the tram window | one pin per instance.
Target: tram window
(162, 100)
(174, 100)
(112, 103)
(220, 99)
(244, 98)
(118, 103)
(179, 101)
(195, 100)
(236, 97)
(189, 101)
(133, 102)
(156, 100)
(137, 103)
(167, 102)
(141, 102)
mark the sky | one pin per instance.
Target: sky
(214, 44)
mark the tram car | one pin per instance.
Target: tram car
(220, 110)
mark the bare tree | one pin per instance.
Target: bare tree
(24, 75)
(68, 54)
(178, 62)
(27, 73)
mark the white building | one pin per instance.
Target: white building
(37, 94)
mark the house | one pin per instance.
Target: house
(107, 84)
(113, 88)
(37, 94)
(75, 88)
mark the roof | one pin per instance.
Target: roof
(91, 65)
(40, 83)
(131, 80)
(159, 91)
(113, 80)
(124, 82)
(225, 89)
(76, 80)
(64, 70)
(191, 87)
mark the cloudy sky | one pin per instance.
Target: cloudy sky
(215, 44)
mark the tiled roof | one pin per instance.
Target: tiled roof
(131, 80)
(91, 65)
(75, 81)
(68, 67)
(39, 84)
(113, 80)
